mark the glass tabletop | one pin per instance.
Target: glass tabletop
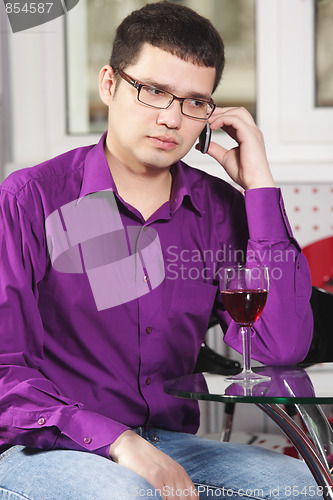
(302, 384)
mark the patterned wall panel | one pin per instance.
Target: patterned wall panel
(310, 210)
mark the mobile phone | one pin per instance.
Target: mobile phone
(204, 139)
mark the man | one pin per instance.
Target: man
(110, 262)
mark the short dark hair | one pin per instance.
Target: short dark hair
(174, 28)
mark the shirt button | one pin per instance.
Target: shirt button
(149, 329)
(41, 421)
(146, 278)
(148, 381)
(87, 440)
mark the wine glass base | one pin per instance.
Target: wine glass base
(248, 378)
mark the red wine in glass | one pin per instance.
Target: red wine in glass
(244, 306)
(244, 291)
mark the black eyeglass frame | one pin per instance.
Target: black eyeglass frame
(138, 86)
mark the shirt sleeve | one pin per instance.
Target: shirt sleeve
(283, 333)
(33, 412)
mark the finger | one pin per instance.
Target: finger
(229, 163)
(239, 130)
(195, 493)
(183, 487)
(190, 490)
(224, 115)
(180, 491)
(184, 492)
(229, 119)
(237, 111)
(217, 152)
(186, 488)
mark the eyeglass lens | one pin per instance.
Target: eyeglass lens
(157, 98)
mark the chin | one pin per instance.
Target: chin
(158, 164)
(164, 160)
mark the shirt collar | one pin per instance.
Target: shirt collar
(97, 177)
(181, 188)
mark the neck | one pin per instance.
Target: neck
(145, 188)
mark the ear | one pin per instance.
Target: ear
(107, 84)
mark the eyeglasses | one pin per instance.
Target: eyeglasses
(199, 109)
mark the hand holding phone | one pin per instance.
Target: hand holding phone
(204, 139)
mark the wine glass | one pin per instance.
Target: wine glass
(244, 290)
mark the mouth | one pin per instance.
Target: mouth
(163, 142)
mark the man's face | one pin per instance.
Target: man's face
(140, 136)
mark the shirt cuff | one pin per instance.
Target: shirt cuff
(91, 431)
(266, 215)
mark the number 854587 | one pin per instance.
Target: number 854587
(28, 7)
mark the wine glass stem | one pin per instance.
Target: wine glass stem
(246, 344)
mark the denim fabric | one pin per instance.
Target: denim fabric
(219, 470)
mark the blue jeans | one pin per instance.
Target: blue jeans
(219, 470)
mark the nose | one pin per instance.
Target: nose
(171, 117)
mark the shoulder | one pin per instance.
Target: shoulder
(47, 172)
(36, 192)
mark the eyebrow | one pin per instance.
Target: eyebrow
(168, 88)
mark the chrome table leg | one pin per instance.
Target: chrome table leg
(319, 430)
(304, 446)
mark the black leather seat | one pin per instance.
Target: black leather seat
(321, 348)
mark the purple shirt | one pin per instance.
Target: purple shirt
(99, 307)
